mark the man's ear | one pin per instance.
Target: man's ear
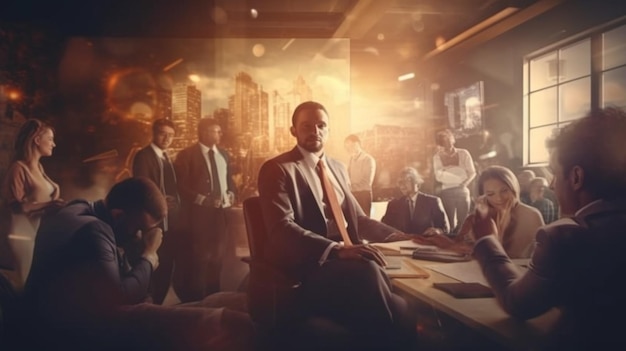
(576, 177)
(292, 130)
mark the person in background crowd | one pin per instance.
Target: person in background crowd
(415, 213)
(579, 262)
(524, 178)
(361, 169)
(207, 190)
(537, 200)
(154, 163)
(454, 169)
(29, 192)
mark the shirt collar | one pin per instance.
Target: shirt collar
(157, 150)
(205, 149)
(310, 159)
(587, 208)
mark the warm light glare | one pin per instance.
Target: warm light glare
(406, 77)
(440, 41)
(447, 44)
(172, 65)
(194, 78)
(254, 13)
(380, 36)
(14, 95)
(288, 44)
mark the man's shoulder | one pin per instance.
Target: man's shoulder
(75, 216)
(144, 152)
(368, 156)
(186, 152)
(223, 151)
(427, 197)
(286, 157)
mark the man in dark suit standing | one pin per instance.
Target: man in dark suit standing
(206, 190)
(578, 264)
(154, 163)
(415, 212)
(308, 210)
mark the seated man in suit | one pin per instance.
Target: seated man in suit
(308, 211)
(578, 264)
(415, 212)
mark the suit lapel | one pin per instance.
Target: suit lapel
(201, 162)
(309, 177)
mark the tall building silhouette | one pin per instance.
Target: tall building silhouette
(164, 104)
(250, 108)
(301, 91)
(186, 110)
(281, 112)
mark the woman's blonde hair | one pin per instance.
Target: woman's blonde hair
(24, 145)
(502, 174)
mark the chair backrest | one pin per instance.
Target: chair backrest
(255, 227)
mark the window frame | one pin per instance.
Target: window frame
(595, 36)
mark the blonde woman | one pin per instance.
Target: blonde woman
(28, 191)
(516, 222)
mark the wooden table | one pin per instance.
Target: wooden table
(481, 315)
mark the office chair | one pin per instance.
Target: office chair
(272, 299)
(271, 295)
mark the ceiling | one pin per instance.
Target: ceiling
(402, 29)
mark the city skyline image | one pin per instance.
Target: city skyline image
(104, 93)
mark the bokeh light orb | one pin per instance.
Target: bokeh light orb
(258, 50)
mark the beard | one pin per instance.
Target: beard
(312, 144)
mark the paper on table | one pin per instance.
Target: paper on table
(402, 248)
(468, 272)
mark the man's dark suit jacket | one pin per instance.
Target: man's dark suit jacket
(428, 212)
(193, 175)
(293, 214)
(77, 268)
(146, 164)
(578, 266)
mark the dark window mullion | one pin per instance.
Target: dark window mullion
(596, 70)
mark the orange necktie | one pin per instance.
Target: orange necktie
(331, 196)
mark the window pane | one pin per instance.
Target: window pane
(574, 99)
(538, 153)
(543, 107)
(575, 61)
(614, 48)
(614, 87)
(543, 71)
